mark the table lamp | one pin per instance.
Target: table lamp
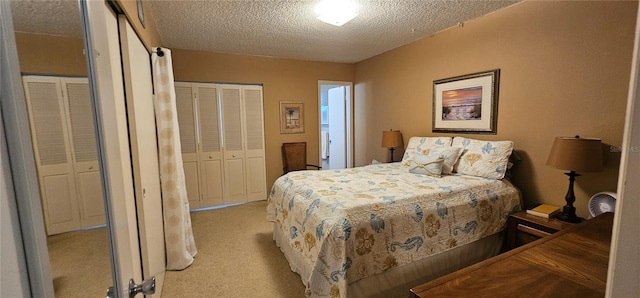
(574, 154)
(391, 139)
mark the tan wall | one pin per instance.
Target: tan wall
(282, 80)
(564, 71)
(50, 55)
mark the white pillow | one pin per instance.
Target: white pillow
(426, 165)
(422, 145)
(449, 156)
(488, 159)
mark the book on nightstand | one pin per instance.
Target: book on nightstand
(544, 210)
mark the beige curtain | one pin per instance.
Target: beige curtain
(178, 236)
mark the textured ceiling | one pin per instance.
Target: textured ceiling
(286, 29)
(290, 28)
(47, 17)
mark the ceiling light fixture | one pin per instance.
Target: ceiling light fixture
(336, 12)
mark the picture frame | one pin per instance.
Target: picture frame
(140, 7)
(467, 103)
(291, 117)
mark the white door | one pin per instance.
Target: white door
(208, 112)
(233, 153)
(254, 139)
(52, 153)
(63, 134)
(222, 133)
(337, 128)
(185, 106)
(144, 152)
(337, 120)
(85, 152)
(105, 75)
(199, 122)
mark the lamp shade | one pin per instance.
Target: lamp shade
(576, 154)
(391, 138)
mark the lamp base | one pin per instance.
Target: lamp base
(568, 213)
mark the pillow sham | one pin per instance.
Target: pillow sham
(422, 145)
(426, 165)
(488, 159)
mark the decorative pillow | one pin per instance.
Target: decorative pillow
(426, 165)
(488, 159)
(450, 155)
(422, 145)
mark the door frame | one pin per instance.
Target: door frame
(138, 86)
(105, 72)
(622, 274)
(349, 119)
(22, 161)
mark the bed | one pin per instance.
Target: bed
(378, 230)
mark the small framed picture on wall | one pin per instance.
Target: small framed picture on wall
(291, 117)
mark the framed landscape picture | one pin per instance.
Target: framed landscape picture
(291, 117)
(466, 104)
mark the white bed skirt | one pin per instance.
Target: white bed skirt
(397, 281)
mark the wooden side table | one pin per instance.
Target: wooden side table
(523, 228)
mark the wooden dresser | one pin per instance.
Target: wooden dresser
(570, 263)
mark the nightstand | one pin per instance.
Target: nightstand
(523, 228)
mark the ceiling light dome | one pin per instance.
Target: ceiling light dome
(336, 12)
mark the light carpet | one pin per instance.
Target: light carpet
(80, 263)
(237, 257)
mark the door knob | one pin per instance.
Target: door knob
(147, 287)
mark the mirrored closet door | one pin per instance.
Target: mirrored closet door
(50, 48)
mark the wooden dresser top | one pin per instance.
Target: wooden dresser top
(570, 263)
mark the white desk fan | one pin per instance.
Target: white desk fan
(602, 202)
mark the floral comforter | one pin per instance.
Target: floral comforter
(353, 223)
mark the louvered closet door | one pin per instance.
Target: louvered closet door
(185, 104)
(52, 152)
(254, 140)
(84, 151)
(210, 149)
(233, 148)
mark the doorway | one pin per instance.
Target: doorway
(335, 106)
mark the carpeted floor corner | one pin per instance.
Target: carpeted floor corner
(80, 263)
(237, 257)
